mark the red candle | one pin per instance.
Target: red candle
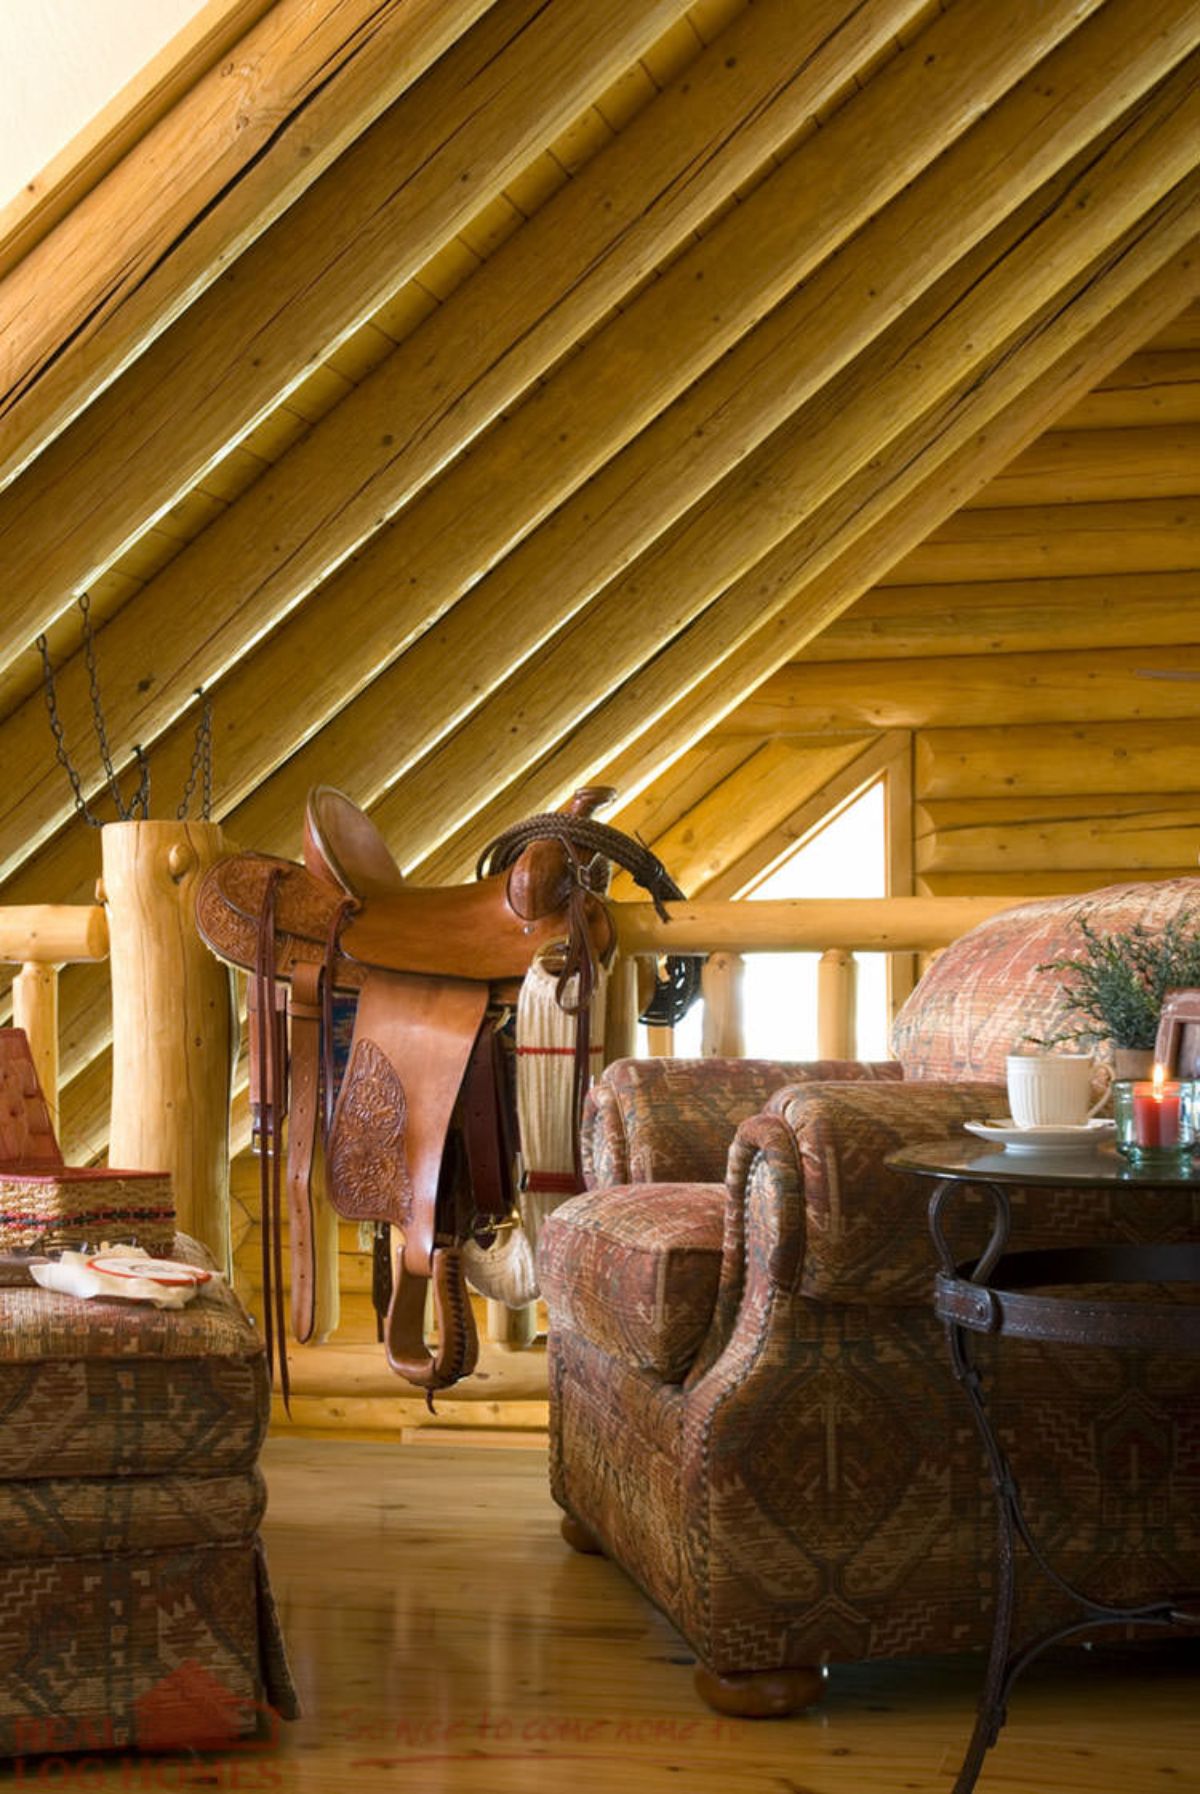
(1156, 1112)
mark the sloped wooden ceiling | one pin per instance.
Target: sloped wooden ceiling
(474, 397)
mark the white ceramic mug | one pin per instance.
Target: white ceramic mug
(1051, 1089)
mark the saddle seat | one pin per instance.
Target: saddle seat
(441, 931)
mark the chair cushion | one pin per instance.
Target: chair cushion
(634, 1269)
(984, 995)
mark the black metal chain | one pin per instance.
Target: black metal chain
(677, 990)
(201, 762)
(139, 803)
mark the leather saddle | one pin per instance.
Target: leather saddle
(428, 966)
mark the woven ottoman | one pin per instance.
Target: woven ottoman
(134, 1605)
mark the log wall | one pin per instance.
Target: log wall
(1043, 647)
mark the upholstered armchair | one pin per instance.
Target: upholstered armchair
(751, 1407)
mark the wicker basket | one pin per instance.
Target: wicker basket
(63, 1205)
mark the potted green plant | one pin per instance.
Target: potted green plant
(1113, 988)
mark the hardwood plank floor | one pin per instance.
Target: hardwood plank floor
(445, 1641)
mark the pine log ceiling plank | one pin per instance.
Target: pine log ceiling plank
(554, 279)
(532, 588)
(887, 756)
(941, 492)
(1020, 886)
(188, 55)
(701, 305)
(1151, 389)
(1153, 535)
(743, 807)
(661, 805)
(494, 100)
(946, 338)
(1099, 685)
(1182, 332)
(635, 734)
(1013, 617)
(210, 177)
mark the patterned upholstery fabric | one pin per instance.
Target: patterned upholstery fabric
(820, 1491)
(984, 994)
(635, 1269)
(813, 1485)
(114, 1389)
(135, 1599)
(100, 1514)
(153, 1649)
(661, 1120)
(862, 1227)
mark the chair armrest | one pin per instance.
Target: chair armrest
(812, 1215)
(672, 1120)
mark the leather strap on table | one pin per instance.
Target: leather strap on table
(1071, 1319)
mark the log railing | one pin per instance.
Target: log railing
(40, 938)
(149, 870)
(836, 928)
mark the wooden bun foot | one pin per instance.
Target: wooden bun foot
(762, 1693)
(579, 1538)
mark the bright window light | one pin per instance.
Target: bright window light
(847, 858)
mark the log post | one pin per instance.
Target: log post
(837, 988)
(175, 1029)
(513, 1328)
(721, 983)
(35, 1008)
(661, 1042)
(621, 1010)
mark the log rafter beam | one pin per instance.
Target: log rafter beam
(552, 280)
(817, 483)
(646, 723)
(1010, 616)
(1055, 111)
(664, 734)
(635, 733)
(560, 436)
(208, 178)
(498, 96)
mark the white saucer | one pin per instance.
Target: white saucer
(1012, 1138)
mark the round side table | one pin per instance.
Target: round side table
(990, 1296)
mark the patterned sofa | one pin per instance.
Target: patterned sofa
(751, 1409)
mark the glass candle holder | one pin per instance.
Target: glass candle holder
(1157, 1121)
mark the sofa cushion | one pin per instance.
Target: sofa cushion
(634, 1269)
(984, 995)
(107, 1388)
